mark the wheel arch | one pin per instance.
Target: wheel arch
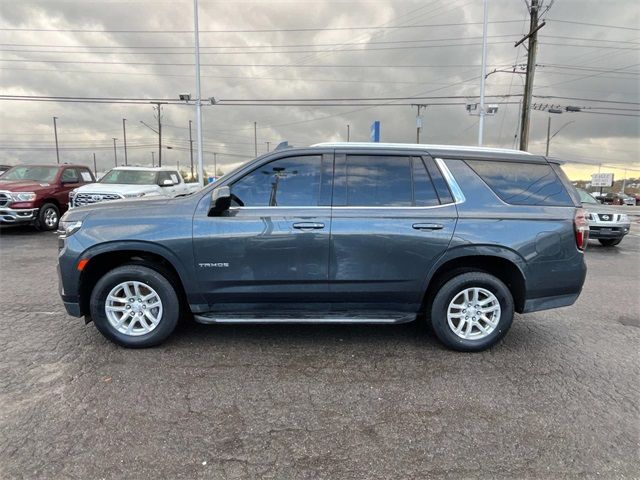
(106, 257)
(504, 264)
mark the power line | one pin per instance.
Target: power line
(217, 47)
(588, 99)
(248, 52)
(265, 30)
(619, 27)
(246, 64)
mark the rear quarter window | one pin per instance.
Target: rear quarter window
(523, 183)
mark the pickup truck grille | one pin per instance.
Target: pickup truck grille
(5, 199)
(82, 199)
(606, 217)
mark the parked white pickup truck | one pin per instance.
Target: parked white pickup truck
(132, 182)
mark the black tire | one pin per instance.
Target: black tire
(150, 277)
(453, 288)
(609, 242)
(48, 218)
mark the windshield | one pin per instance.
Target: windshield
(36, 174)
(130, 177)
(585, 197)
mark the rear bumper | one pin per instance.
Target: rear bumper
(12, 216)
(547, 303)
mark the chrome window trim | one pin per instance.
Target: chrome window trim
(456, 191)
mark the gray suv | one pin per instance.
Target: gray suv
(335, 233)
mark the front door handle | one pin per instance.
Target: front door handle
(428, 226)
(308, 226)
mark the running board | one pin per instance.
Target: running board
(227, 318)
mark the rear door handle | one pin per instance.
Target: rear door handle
(308, 226)
(428, 226)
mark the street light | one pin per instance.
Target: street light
(558, 111)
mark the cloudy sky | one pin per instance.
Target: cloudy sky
(314, 49)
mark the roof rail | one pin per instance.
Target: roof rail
(418, 146)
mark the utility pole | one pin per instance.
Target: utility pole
(348, 132)
(158, 108)
(419, 121)
(55, 132)
(255, 137)
(484, 73)
(95, 167)
(215, 165)
(191, 149)
(124, 137)
(115, 152)
(196, 35)
(532, 36)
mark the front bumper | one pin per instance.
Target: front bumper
(609, 231)
(17, 215)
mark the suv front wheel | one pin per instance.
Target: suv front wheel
(135, 306)
(472, 311)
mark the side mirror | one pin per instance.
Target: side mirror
(167, 183)
(220, 201)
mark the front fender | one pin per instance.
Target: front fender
(185, 272)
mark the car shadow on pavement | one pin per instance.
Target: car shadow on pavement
(21, 230)
(412, 333)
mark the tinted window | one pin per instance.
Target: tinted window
(438, 181)
(423, 191)
(293, 182)
(522, 183)
(378, 181)
(70, 175)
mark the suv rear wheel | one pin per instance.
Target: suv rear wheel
(472, 311)
(135, 306)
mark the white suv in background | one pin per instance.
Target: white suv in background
(132, 182)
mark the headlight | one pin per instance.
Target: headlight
(67, 228)
(23, 196)
(623, 218)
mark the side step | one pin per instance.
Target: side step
(302, 318)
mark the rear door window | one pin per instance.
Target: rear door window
(520, 183)
(376, 181)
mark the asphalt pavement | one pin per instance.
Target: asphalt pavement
(559, 397)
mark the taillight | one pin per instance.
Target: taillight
(582, 229)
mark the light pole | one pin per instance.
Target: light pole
(215, 165)
(55, 132)
(348, 132)
(549, 136)
(196, 32)
(153, 159)
(95, 167)
(124, 138)
(483, 75)
(191, 149)
(115, 152)
(255, 137)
